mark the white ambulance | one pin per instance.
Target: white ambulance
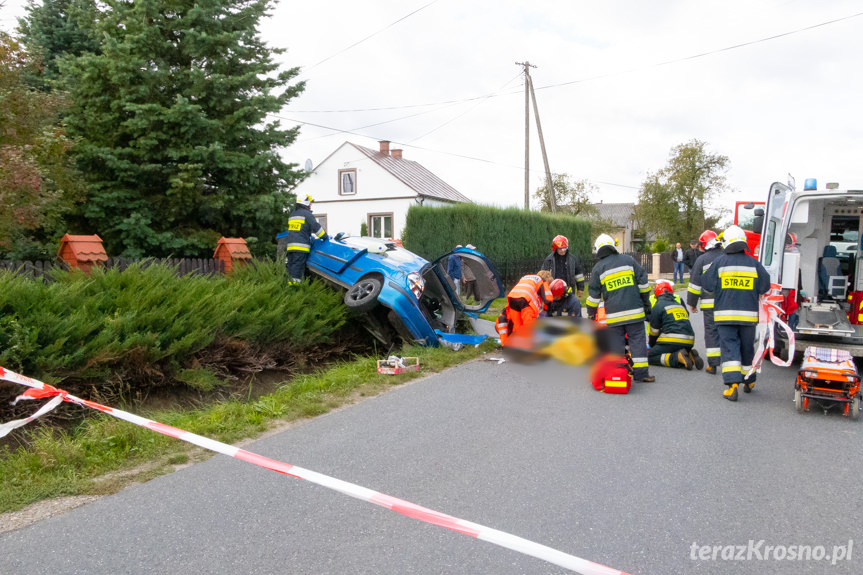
(825, 263)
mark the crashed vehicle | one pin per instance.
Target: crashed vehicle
(398, 292)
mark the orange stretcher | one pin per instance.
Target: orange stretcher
(828, 378)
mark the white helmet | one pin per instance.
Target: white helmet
(305, 201)
(733, 234)
(603, 240)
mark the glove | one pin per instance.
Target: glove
(647, 311)
(325, 237)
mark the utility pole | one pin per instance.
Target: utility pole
(526, 66)
(528, 94)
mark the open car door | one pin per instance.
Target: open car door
(488, 285)
(773, 237)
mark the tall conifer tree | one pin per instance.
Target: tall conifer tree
(177, 146)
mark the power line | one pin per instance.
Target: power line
(463, 156)
(357, 43)
(593, 78)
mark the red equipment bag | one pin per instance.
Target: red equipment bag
(611, 374)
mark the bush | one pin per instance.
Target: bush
(500, 233)
(146, 320)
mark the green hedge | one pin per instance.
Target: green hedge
(502, 234)
(148, 318)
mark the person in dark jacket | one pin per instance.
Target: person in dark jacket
(690, 256)
(563, 265)
(564, 303)
(713, 249)
(737, 281)
(453, 270)
(671, 334)
(302, 225)
(619, 281)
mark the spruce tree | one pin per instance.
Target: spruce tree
(176, 144)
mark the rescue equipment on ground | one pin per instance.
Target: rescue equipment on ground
(829, 378)
(612, 374)
(395, 365)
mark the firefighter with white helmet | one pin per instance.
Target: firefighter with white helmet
(712, 249)
(302, 225)
(671, 334)
(737, 281)
(619, 281)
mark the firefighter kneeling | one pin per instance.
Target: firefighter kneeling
(530, 297)
(671, 334)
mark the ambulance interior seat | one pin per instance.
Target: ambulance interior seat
(831, 283)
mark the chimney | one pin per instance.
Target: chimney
(397, 154)
(385, 147)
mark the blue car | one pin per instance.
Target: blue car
(398, 292)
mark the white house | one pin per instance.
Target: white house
(356, 185)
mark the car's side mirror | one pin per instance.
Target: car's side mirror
(339, 236)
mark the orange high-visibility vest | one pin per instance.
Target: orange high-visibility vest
(534, 290)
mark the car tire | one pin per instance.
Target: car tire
(362, 297)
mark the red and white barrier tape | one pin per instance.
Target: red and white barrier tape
(768, 318)
(525, 546)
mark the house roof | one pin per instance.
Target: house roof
(415, 176)
(618, 214)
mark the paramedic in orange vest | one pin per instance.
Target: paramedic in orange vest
(619, 281)
(525, 302)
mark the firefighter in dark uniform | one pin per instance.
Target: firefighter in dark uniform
(565, 301)
(302, 225)
(563, 265)
(621, 282)
(713, 249)
(671, 334)
(737, 281)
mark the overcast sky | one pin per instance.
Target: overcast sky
(618, 85)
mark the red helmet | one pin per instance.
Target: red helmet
(559, 242)
(706, 236)
(663, 286)
(558, 287)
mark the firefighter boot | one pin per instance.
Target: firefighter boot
(711, 369)
(748, 386)
(683, 360)
(731, 393)
(696, 359)
(646, 379)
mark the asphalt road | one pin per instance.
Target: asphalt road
(644, 483)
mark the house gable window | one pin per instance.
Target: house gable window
(348, 182)
(381, 225)
(322, 219)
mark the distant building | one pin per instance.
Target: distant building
(622, 217)
(356, 185)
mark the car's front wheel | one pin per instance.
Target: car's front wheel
(363, 295)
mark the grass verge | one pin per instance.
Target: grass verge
(105, 454)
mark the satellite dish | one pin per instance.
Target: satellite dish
(308, 166)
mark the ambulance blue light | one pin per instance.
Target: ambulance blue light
(810, 184)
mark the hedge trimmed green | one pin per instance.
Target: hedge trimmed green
(85, 326)
(500, 233)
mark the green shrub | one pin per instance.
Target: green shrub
(500, 233)
(147, 320)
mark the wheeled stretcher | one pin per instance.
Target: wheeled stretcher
(828, 378)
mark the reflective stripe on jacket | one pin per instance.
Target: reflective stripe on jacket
(669, 320)
(695, 290)
(622, 283)
(302, 225)
(533, 289)
(737, 281)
